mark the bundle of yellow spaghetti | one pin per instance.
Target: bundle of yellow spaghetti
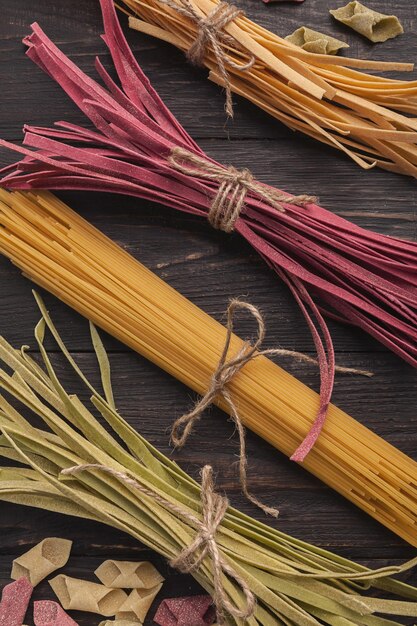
(325, 97)
(66, 255)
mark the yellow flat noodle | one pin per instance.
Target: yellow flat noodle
(304, 70)
(373, 90)
(289, 94)
(409, 151)
(313, 41)
(389, 152)
(377, 27)
(353, 76)
(289, 49)
(317, 131)
(361, 106)
(42, 560)
(380, 133)
(154, 31)
(399, 105)
(347, 76)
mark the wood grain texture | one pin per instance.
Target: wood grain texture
(209, 267)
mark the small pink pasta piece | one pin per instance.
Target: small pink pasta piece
(188, 611)
(49, 613)
(14, 602)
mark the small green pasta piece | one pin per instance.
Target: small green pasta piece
(377, 27)
(313, 41)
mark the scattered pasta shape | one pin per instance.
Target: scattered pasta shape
(48, 613)
(42, 560)
(82, 595)
(119, 622)
(138, 604)
(196, 610)
(377, 27)
(313, 41)
(14, 603)
(128, 575)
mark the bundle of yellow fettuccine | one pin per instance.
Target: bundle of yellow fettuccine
(327, 98)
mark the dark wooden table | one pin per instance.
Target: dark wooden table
(209, 267)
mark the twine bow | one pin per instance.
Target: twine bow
(225, 371)
(210, 32)
(234, 184)
(213, 510)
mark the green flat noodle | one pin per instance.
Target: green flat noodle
(377, 27)
(313, 41)
(295, 584)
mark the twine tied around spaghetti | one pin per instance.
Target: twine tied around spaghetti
(229, 200)
(225, 371)
(210, 31)
(213, 509)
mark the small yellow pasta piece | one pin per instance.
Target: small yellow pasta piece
(82, 595)
(42, 560)
(138, 604)
(128, 575)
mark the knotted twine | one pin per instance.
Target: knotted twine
(229, 200)
(213, 509)
(210, 31)
(226, 370)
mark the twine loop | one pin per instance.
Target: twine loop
(213, 509)
(233, 186)
(225, 371)
(210, 32)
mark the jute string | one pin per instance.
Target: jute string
(225, 371)
(210, 32)
(234, 184)
(213, 510)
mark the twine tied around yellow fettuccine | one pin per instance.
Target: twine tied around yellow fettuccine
(210, 31)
